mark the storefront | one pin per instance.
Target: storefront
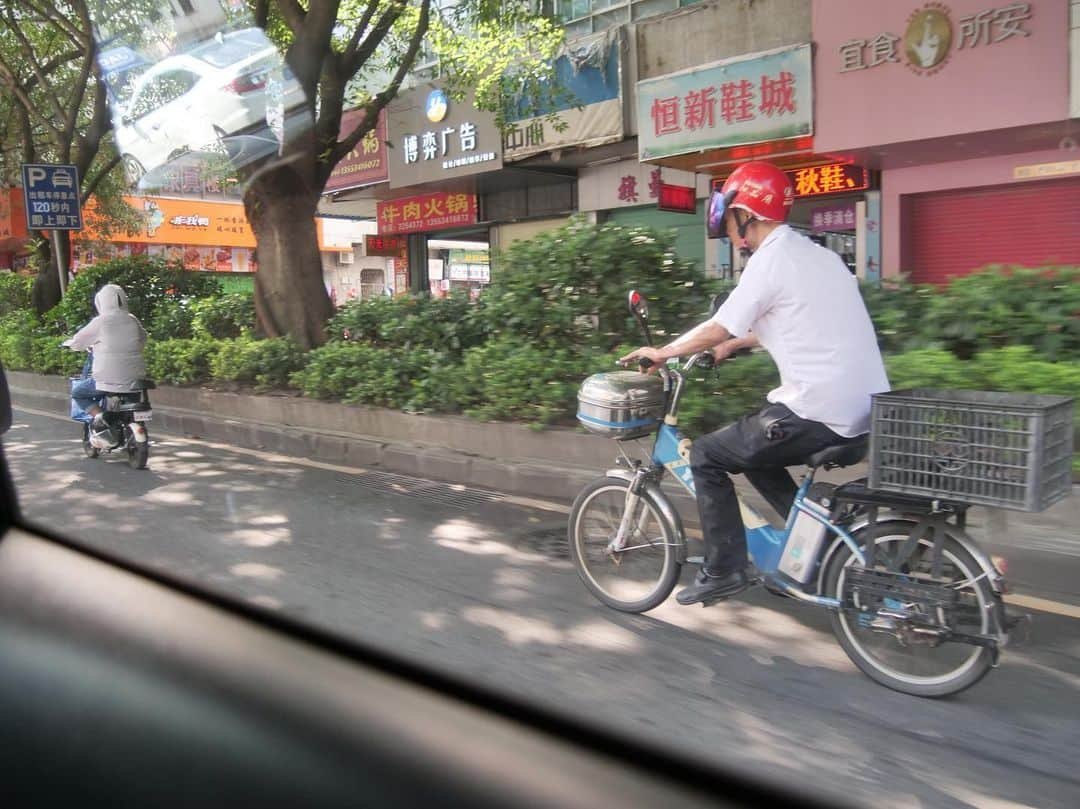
(628, 193)
(963, 108)
(433, 215)
(14, 237)
(709, 119)
(833, 205)
(202, 236)
(446, 150)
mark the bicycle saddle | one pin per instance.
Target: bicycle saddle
(850, 452)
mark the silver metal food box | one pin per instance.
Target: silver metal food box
(621, 404)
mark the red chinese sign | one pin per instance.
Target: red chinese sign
(835, 178)
(389, 246)
(426, 213)
(366, 163)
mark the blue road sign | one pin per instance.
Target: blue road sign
(51, 193)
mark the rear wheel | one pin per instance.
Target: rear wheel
(138, 452)
(89, 449)
(642, 575)
(914, 662)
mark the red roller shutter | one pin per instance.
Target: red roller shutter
(956, 232)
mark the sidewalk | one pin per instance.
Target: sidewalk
(552, 464)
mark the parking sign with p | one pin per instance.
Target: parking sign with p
(51, 193)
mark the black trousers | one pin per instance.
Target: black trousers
(759, 446)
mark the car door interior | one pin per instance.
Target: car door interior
(121, 687)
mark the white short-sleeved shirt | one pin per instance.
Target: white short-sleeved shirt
(803, 305)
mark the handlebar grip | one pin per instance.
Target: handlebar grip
(645, 364)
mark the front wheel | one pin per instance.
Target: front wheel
(912, 653)
(138, 452)
(641, 575)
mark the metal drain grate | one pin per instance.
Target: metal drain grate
(434, 491)
(549, 542)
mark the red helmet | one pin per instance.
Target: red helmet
(761, 189)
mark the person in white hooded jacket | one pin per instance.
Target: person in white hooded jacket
(117, 338)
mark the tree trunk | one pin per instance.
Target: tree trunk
(290, 298)
(45, 293)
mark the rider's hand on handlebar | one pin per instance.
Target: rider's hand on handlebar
(728, 349)
(645, 354)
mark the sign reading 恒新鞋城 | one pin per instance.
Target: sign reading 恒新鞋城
(589, 110)
(749, 99)
(436, 138)
(427, 212)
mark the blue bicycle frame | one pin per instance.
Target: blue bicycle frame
(764, 543)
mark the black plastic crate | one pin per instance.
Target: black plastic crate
(1009, 450)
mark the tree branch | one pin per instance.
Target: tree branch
(91, 186)
(62, 21)
(354, 41)
(376, 105)
(378, 34)
(293, 14)
(28, 52)
(262, 13)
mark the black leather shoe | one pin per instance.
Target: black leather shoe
(713, 588)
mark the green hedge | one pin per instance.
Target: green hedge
(14, 293)
(554, 314)
(991, 309)
(151, 284)
(265, 364)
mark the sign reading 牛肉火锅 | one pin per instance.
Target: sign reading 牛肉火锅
(51, 194)
(436, 138)
(426, 213)
(749, 99)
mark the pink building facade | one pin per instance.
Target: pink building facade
(962, 108)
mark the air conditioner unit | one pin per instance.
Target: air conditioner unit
(346, 257)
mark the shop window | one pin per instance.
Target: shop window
(372, 283)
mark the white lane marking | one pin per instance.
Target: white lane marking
(1016, 599)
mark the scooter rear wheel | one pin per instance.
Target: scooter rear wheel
(89, 449)
(138, 452)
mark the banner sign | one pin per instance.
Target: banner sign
(750, 99)
(436, 138)
(838, 217)
(590, 71)
(366, 164)
(426, 212)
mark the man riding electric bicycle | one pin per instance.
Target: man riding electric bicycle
(801, 303)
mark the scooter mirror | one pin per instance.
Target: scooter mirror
(638, 306)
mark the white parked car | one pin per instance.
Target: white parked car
(191, 100)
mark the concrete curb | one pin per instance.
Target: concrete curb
(552, 464)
